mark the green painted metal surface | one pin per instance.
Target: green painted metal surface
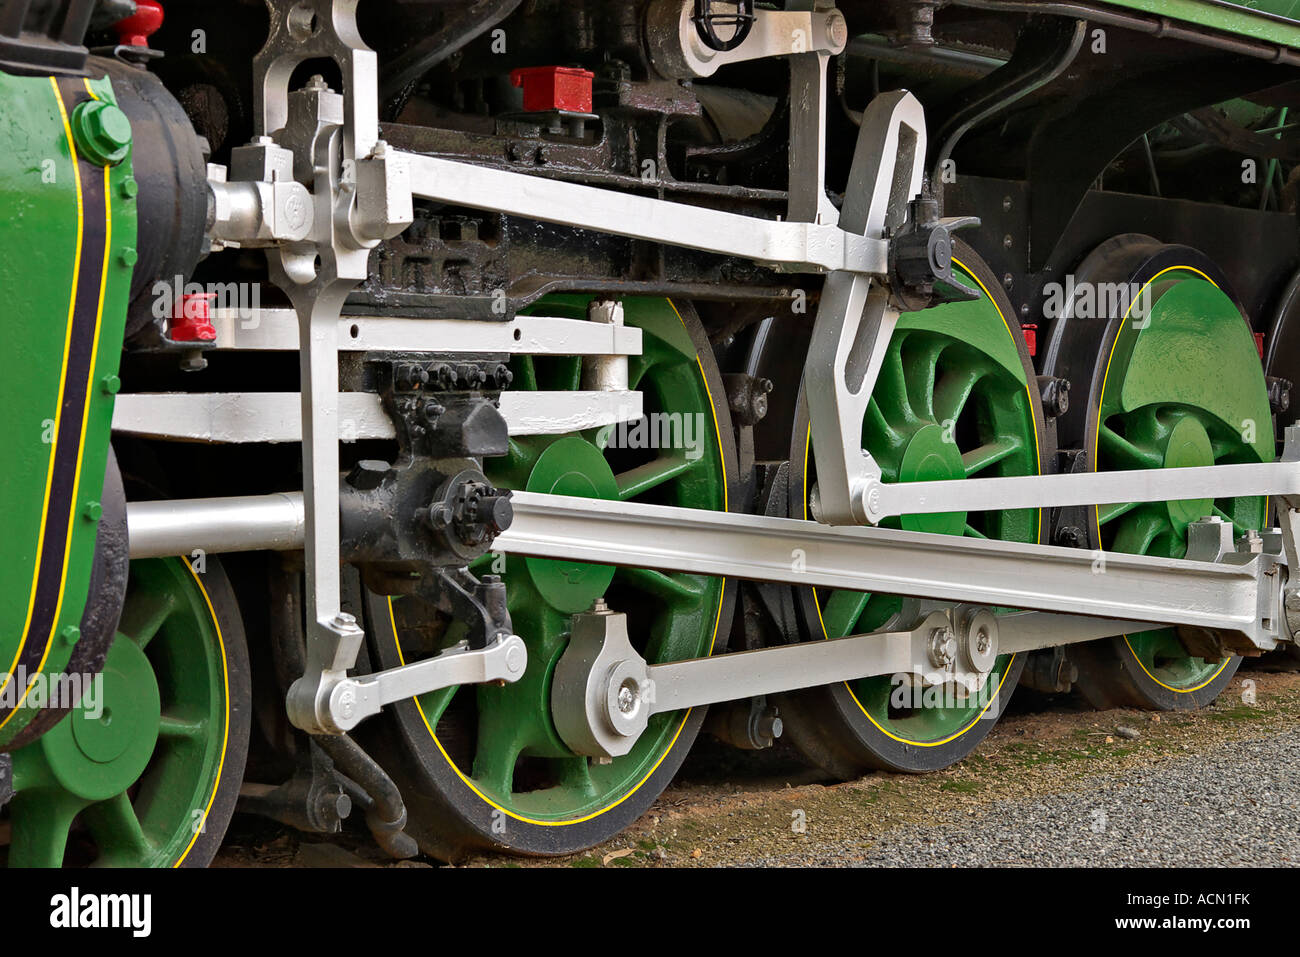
(67, 244)
(1276, 21)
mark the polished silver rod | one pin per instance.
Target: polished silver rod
(251, 523)
(1000, 574)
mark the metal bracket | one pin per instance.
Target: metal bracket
(856, 317)
(678, 51)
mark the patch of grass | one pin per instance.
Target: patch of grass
(961, 787)
(1238, 714)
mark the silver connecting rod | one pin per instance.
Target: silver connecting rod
(802, 247)
(1238, 596)
(1227, 596)
(604, 693)
(1085, 488)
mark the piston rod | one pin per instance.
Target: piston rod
(253, 523)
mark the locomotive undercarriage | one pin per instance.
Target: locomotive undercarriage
(856, 315)
(477, 309)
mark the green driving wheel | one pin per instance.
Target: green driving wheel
(956, 398)
(145, 770)
(485, 767)
(1178, 383)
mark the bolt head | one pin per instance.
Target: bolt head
(347, 703)
(515, 660)
(837, 29)
(943, 647)
(101, 131)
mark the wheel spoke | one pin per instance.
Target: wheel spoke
(843, 611)
(674, 589)
(117, 831)
(526, 375)
(1138, 533)
(1221, 448)
(878, 435)
(891, 390)
(145, 614)
(574, 773)
(494, 760)
(1126, 454)
(954, 390)
(1147, 425)
(41, 820)
(517, 456)
(638, 366)
(652, 474)
(183, 729)
(1108, 513)
(990, 454)
(923, 363)
(1163, 646)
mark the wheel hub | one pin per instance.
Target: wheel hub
(97, 754)
(571, 466)
(932, 455)
(1188, 447)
